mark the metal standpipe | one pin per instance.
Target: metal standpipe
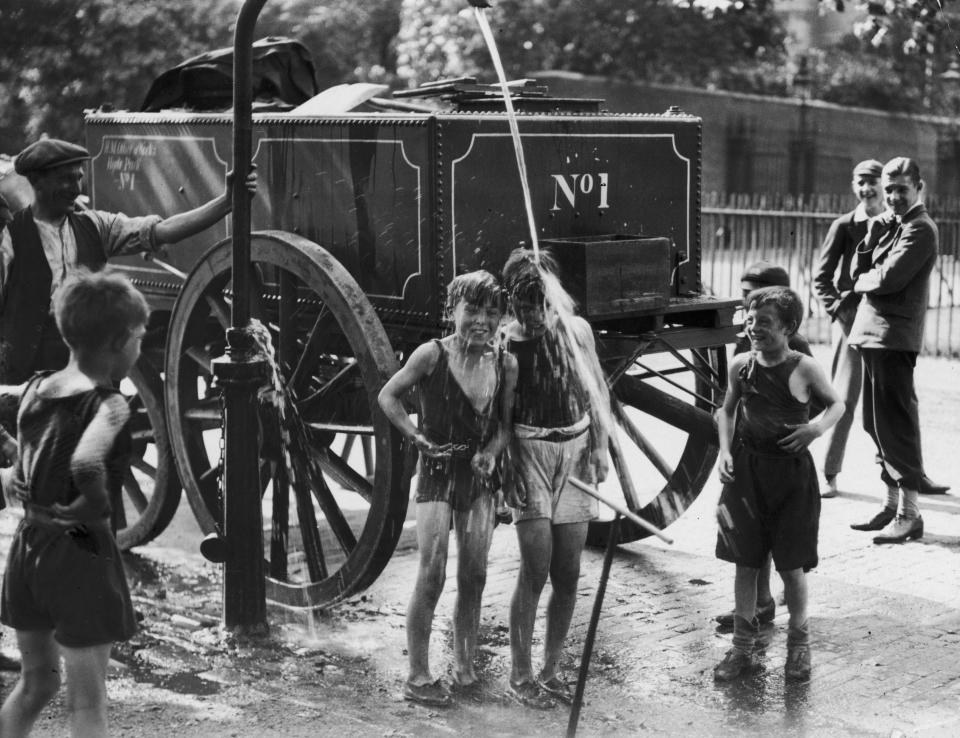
(241, 372)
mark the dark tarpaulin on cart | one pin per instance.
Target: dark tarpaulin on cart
(283, 73)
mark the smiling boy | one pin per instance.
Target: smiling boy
(771, 500)
(893, 268)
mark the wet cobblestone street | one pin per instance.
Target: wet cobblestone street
(885, 624)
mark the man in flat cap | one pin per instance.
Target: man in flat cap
(892, 267)
(833, 281)
(46, 240)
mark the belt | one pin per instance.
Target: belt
(565, 433)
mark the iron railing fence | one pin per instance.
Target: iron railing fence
(739, 229)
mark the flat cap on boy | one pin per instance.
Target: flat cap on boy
(48, 153)
(868, 168)
(765, 274)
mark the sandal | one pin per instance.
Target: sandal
(529, 694)
(557, 688)
(430, 695)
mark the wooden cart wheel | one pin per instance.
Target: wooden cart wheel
(330, 534)
(664, 403)
(151, 488)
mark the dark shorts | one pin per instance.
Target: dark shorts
(772, 506)
(452, 480)
(72, 585)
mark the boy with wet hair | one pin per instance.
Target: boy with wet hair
(770, 501)
(465, 386)
(558, 434)
(64, 590)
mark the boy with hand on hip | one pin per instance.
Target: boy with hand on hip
(465, 386)
(771, 500)
(64, 590)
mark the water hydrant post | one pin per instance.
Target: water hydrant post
(241, 373)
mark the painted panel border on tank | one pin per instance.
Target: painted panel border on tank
(564, 189)
(130, 173)
(264, 216)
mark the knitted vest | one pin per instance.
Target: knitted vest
(26, 305)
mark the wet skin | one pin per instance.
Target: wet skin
(476, 325)
(767, 333)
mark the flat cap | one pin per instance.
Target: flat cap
(868, 168)
(48, 153)
(766, 274)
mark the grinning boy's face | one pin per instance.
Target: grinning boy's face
(476, 325)
(867, 189)
(766, 331)
(900, 192)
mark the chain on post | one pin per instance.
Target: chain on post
(221, 487)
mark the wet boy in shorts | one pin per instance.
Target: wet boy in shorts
(464, 383)
(64, 590)
(771, 499)
(555, 437)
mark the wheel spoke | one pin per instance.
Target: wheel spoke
(329, 389)
(311, 352)
(633, 432)
(344, 474)
(131, 488)
(202, 357)
(219, 308)
(309, 530)
(280, 524)
(141, 465)
(332, 512)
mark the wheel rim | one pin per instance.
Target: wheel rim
(151, 488)
(668, 398)
(330, 534)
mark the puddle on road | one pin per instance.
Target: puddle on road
(184, 682)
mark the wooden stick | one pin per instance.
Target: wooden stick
(592, 629)
(616, 507)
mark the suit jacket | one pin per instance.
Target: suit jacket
(894, 278)
(835, 287)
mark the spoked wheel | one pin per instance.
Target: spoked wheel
(333, 520)
(151, 488)
(664, 399)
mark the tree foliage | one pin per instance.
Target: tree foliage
(350, 40)
(653, 40)
(58, 57)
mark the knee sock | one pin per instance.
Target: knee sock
(798, 635)
(893, 497)
(908, 503)
(745, 633)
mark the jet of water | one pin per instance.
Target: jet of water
(484, 23)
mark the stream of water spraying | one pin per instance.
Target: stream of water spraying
(583, 364)
(484, 23)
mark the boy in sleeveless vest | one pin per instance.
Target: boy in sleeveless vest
(771, 499)
(64, 590)
(464, 382)
(558, 434)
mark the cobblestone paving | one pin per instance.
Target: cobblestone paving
(885, 625)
